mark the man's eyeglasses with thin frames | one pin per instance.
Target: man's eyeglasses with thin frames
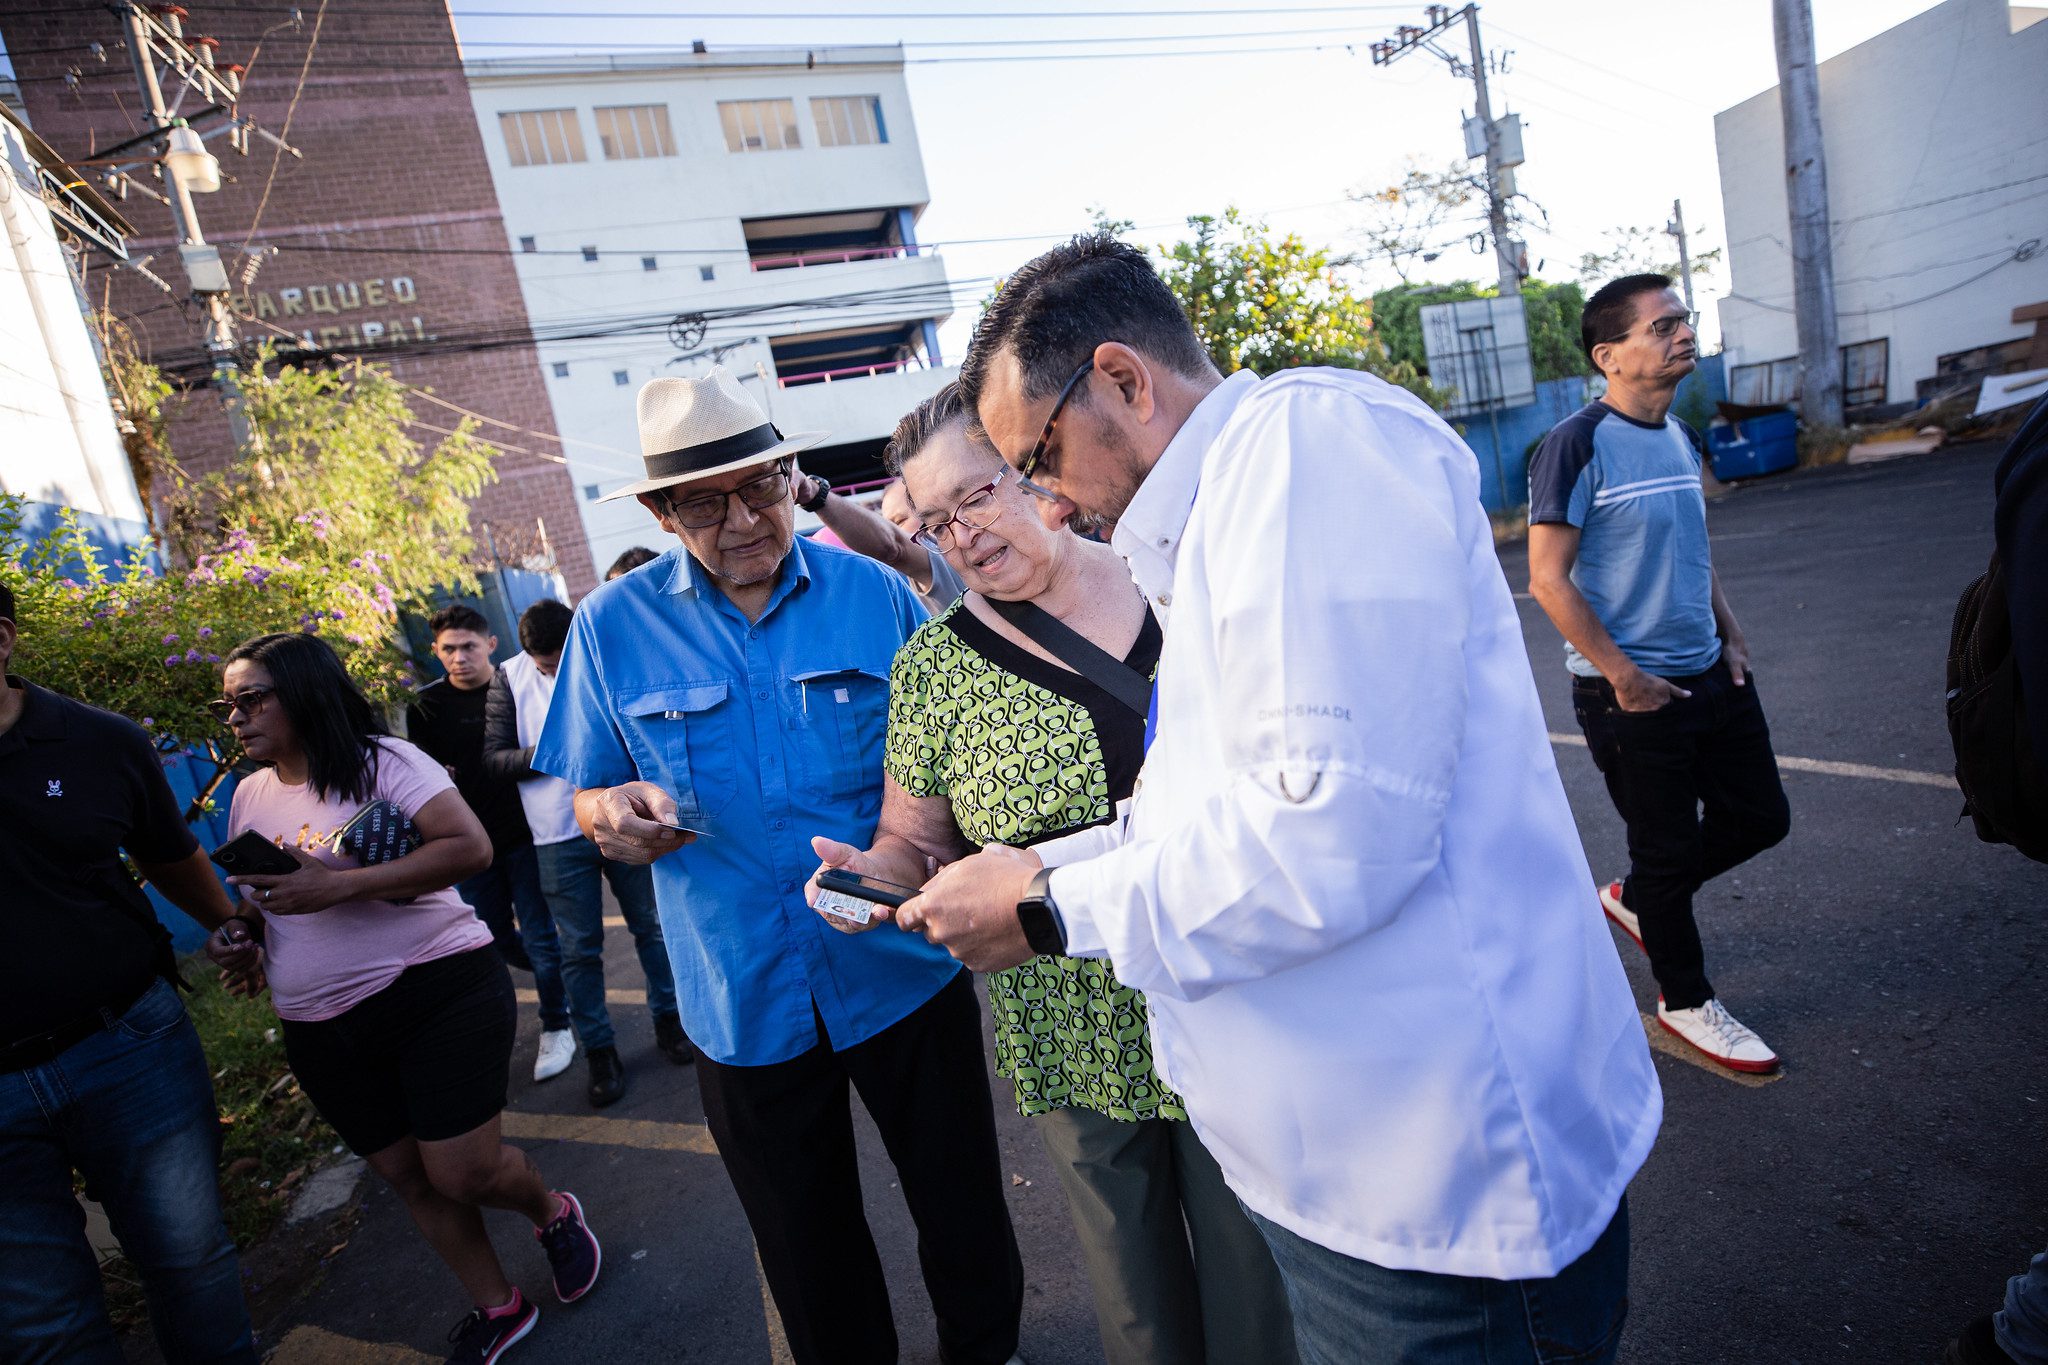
(1037, 455)
(709, 510)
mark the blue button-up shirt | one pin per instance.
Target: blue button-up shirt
(766, 732)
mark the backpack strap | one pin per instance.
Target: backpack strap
(1098, 666)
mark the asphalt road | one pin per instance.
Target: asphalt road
(1858, 1209)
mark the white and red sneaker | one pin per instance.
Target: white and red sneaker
(1720, 1035)
(1610, 901)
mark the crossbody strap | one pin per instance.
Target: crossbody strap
(1098, 666)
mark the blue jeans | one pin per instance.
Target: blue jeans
(132, 1109)
(2022, 1325)
(569, 877)
(512, 884)
(1350, 1312)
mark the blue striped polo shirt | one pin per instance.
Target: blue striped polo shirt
(1633, 490)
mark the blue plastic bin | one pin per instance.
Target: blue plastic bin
(1760, 445)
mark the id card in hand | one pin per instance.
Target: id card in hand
(839, 905)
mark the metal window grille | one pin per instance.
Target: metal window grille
(759, 125)
(542, 137)
(848, 120)
(561, 369)
(628, 132)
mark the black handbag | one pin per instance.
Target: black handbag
(379, 833)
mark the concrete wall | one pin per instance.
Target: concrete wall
(58, 440)
(1937, 155)
(689, 209)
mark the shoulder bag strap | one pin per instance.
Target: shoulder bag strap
(1111, 674)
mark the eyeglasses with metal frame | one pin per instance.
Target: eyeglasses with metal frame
(1662, 328)
(978, 511)
(701, 513)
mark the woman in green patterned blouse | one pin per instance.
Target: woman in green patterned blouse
(993, 740)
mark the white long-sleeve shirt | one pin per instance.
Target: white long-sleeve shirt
(1349, 884)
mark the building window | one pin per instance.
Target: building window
(591, 492)
(561, 369)
(707, 272)
(647, 263)
(542, 137)
(621, 378)
(759, 125)
(528, 244)
(1866, 372)
(590, 253)
(849, 120)
(628, 132)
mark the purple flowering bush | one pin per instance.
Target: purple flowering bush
(147, 642)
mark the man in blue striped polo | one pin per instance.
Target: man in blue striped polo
(1661, 684)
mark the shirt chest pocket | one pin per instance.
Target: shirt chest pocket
(681, 738)
(842, 716)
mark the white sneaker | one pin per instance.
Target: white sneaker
(1610, 901)
(557, 1050)
(1720, 1035)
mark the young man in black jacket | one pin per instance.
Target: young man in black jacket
(446, 719)
(572, 871)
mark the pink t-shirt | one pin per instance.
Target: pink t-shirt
(322, 964)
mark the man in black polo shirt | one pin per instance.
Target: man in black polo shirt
(446, 719)
(100, 1070)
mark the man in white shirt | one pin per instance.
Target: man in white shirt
(1348, 883)
(572, 871)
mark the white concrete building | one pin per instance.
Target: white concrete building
(59, 442)
(1937, 162)
(755, 209)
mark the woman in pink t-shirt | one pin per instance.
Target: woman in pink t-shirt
(398, 1013)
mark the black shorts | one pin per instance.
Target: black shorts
(425, 1057)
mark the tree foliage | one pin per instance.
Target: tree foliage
(1553, 314)
(1264, 304)
(1640, 251)
(336, 473)
(1406, 223)
(334, 521)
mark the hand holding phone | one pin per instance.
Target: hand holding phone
(250, 854)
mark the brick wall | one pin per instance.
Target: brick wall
(387, 233)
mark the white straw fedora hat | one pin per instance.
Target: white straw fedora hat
(694, 428)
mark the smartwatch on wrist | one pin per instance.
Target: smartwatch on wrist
(1040, 918)
(817, 499)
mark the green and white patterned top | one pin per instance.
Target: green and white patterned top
(1026, 751)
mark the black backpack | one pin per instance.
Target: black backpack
(2005, 791)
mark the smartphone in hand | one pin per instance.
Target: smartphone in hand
(849, 895)
(249, 854)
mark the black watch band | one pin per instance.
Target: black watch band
(817, 500)
(1040, 919)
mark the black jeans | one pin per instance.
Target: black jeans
(785, 1133)
(1697, 785)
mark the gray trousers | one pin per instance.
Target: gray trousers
(1181, 1277)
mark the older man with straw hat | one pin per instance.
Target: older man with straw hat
(714, 709)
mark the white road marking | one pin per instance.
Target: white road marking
(1826, 767)
(646, 1135)
(611, 997)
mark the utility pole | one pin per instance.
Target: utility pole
(1676, 227)
(158, 36)
(1505, 251)
(1500, 143)
(1806, 199)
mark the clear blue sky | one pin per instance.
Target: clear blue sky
(1617, 99)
